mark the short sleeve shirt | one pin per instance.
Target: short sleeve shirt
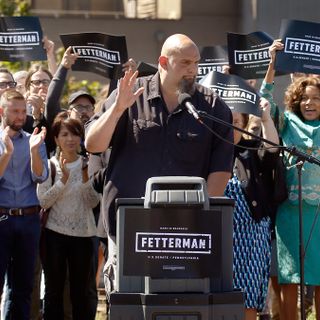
(149, 141)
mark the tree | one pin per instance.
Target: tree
(11, 8)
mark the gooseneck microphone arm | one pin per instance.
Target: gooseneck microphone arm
(185, 100)
(292, 150)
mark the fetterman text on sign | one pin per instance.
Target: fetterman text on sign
(21, 39)
(236, 93)
(98, 53)
(108, 56)
(172, 242)
(301, 51)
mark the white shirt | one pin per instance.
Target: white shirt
(71, 203)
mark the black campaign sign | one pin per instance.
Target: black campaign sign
(172, 243)
(98, 53)
(301, 47)
(249, 54)
(21, 39)
(212, 59)
(236, 92)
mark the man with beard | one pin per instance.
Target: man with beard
(81, 106)
(23, 164)
(152, 135)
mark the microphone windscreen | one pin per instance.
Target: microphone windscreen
(183, 97)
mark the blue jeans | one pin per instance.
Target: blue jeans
(19, 245)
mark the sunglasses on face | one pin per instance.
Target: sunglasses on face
(7, 84)
(37, 83)
(82, 108)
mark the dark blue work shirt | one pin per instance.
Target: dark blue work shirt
(149, 141)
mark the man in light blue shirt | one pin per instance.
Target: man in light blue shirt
(23, 164)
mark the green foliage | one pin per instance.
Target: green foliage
(72, 85)
(14, 8)
(311, 316)
(22, 8)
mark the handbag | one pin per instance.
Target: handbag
(44, 213)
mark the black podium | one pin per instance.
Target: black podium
(174, 250)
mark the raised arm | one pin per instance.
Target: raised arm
(48, 45)
(52, 107)
(100, 132)
(266, 89)
(276, 45)
(269, 130)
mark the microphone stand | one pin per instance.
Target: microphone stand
(301, 158)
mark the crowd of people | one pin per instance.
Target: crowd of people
(74, 161)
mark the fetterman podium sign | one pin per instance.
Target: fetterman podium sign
(172, 242)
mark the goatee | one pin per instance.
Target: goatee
(187, 86)
(15, 127)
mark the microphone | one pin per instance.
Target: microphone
(184, 99)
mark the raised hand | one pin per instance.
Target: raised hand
(226, 69)
(265, 108)
(65, 171)
(37, 138)
(126, 95)
(7, 142)
(130, 64)
(276, 45)
(48, 45)
(69, 58)
(37, 105)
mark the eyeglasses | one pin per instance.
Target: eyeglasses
(82, 108)
(37, 83)
(7, 84)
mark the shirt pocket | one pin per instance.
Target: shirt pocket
(146, 132)
(190, 144)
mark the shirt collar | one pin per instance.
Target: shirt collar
(154, 90)
(20, 134)
(154, 87)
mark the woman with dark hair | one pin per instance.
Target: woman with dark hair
(70, 225)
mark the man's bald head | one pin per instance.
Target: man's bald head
(178, 65)
(175, 43)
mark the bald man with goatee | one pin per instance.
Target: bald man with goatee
(151, 134)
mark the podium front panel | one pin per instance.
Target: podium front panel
(172, 243)
(158, 271)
